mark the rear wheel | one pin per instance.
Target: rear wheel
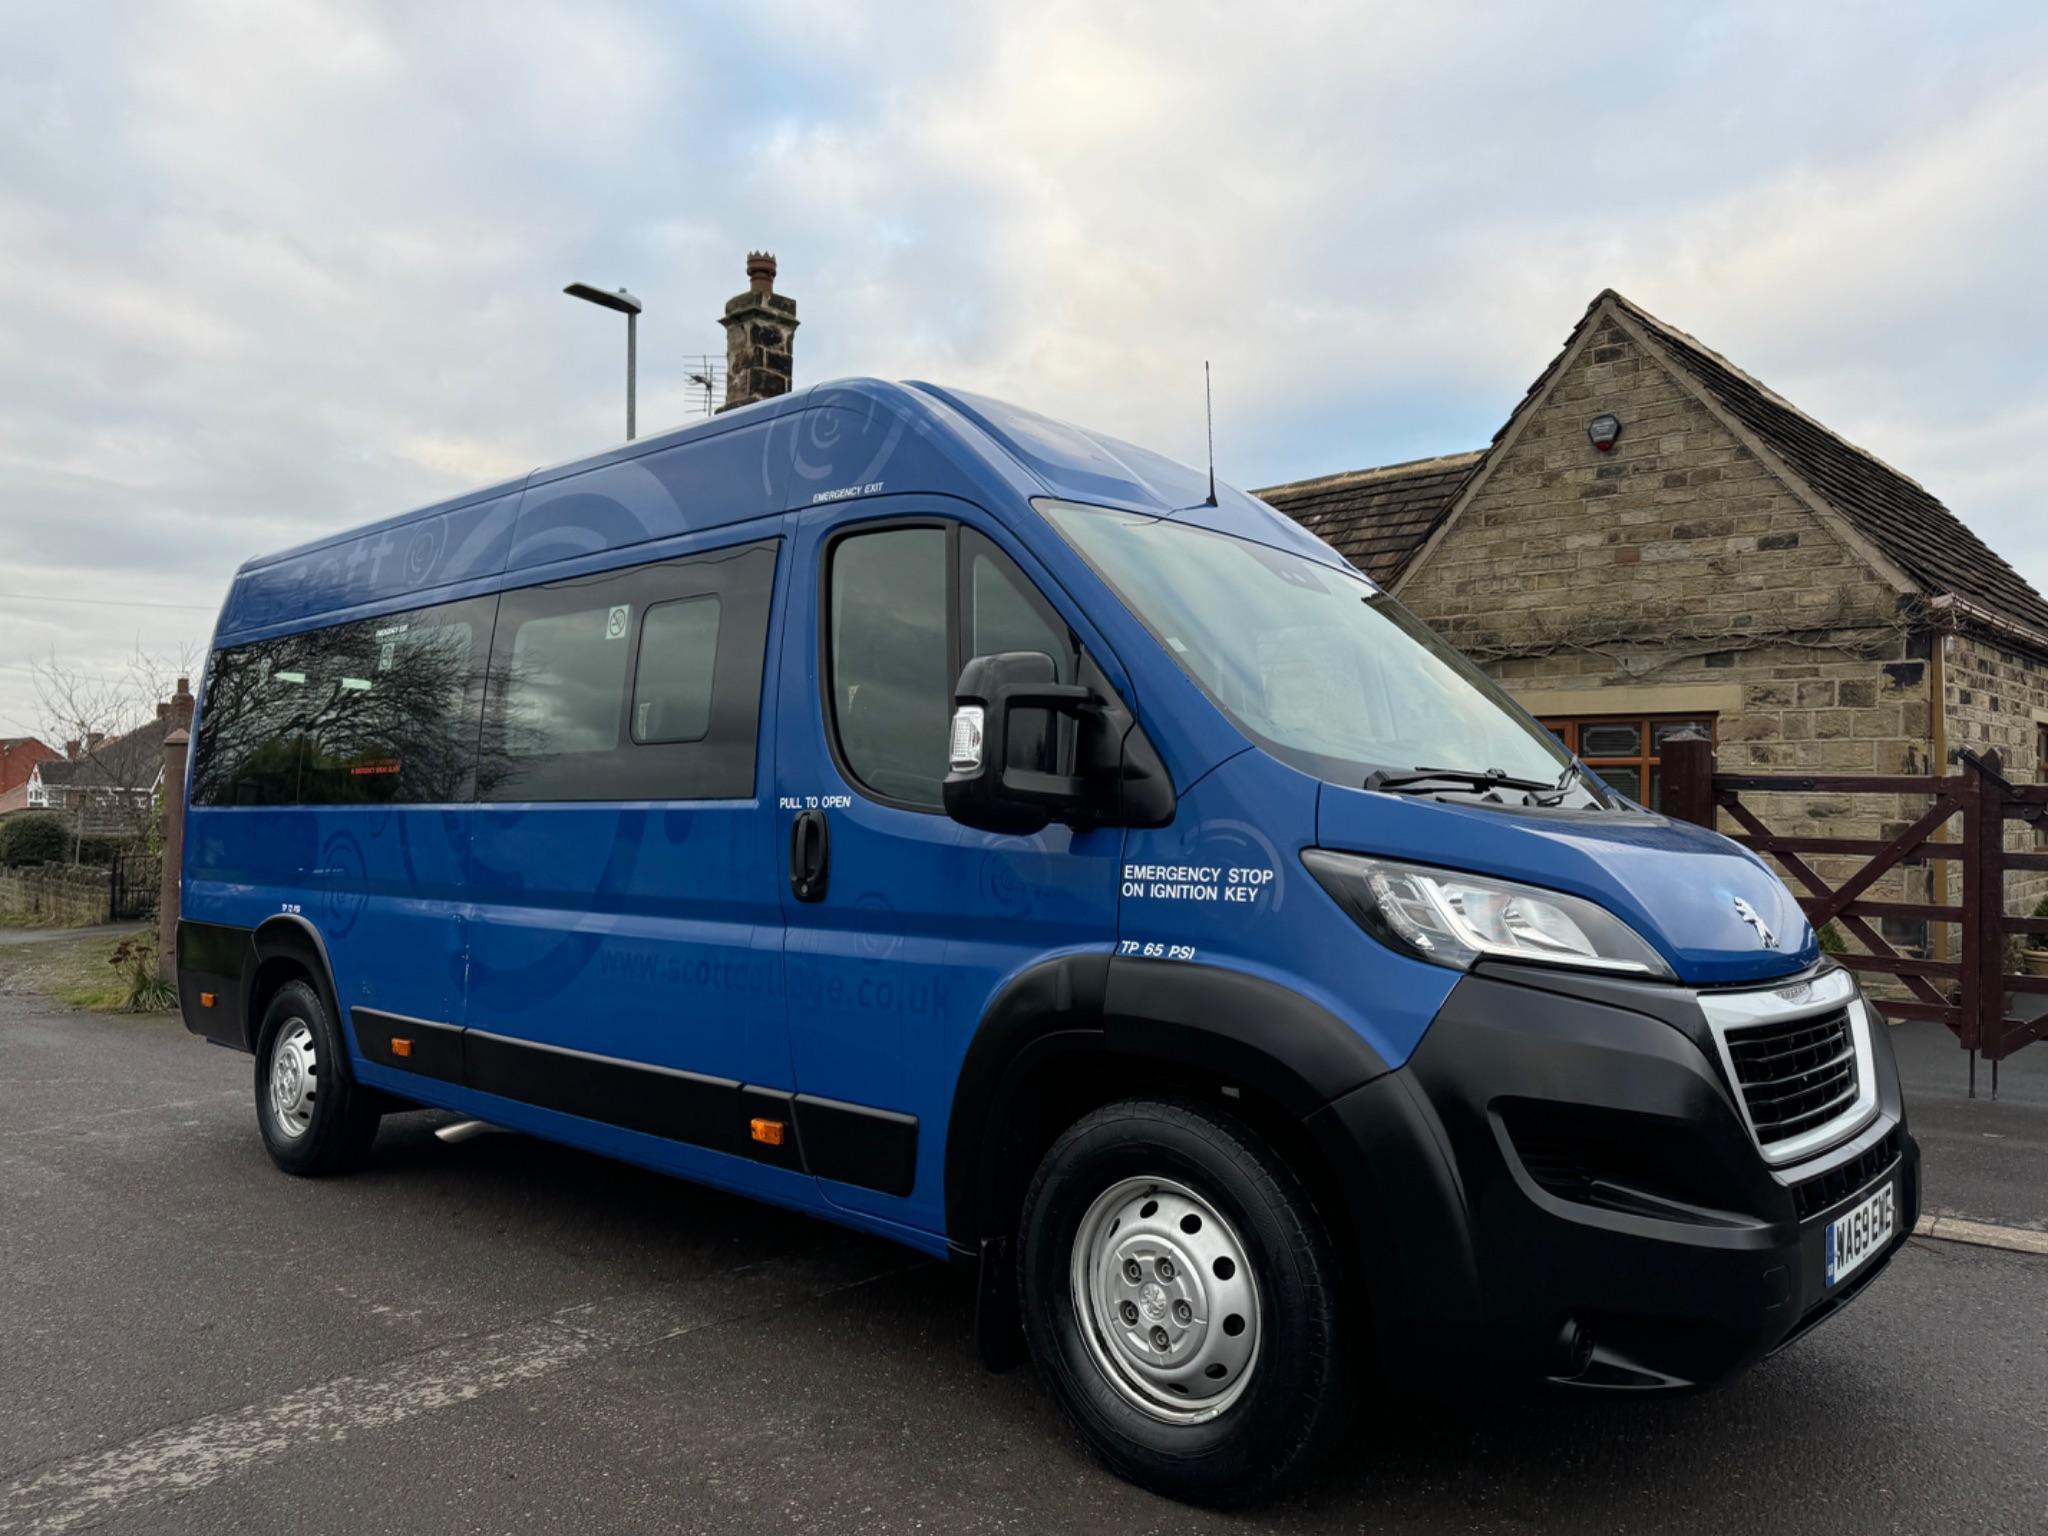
(1179, 1293)
(315, 1119)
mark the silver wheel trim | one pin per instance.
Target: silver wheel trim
(294, 1078)
(1156, 1301)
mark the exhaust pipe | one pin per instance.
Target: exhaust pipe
(1572, 1353)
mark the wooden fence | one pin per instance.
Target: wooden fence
(1975, 993)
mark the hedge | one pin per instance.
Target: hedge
(40, 838)
(34, 839)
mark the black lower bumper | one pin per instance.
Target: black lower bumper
(1559, 1186)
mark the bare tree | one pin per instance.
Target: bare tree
(94, 717)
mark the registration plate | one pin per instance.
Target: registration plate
(1856, 1234)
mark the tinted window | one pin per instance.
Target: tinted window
(377, 710)
(392, 707)
(642, 684)
(250, 742)
(566, 682)
(899, 633)
(1004, 612)
(672, 679)
(891, 660)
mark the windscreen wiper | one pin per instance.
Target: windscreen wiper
(1477, 778)
(1575, 769)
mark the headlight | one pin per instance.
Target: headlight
(1452, 919)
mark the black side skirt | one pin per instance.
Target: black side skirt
(848, 1143)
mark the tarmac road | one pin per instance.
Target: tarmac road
(503, 1336)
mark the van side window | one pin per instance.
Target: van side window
(393, 707)
(252, 727)
(677, 664)
(907, 607)
(641, 684)
(891, 661)
(378, 710)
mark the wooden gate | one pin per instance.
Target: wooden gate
(1975, 994)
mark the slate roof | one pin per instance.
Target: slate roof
(129, 762)
(1904, 520)
(1380, 518)
(1376, 518)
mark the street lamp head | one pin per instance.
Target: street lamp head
(618, 299)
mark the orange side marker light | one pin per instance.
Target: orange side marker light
(206, 999)
(768, 1132)
(400, 1046)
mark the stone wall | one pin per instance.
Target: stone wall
(1996, 698)
(1677, 574)
(60, 895)
(1675, 546)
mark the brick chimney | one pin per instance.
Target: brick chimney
(93, 740)
(181, 706)
(759, 325)
(71, 750)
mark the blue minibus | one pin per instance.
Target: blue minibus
(977, 831)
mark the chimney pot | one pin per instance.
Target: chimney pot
(761, 271)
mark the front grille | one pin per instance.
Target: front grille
(1794, 1075)
(1816, 1194)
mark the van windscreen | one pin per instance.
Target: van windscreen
(1315, 663)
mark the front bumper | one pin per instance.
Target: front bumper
(1561, 1184)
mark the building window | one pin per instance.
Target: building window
(1627, 750)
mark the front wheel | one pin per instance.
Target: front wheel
(1180, 1294)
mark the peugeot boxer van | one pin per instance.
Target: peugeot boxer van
(909, 810)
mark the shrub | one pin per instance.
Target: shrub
(134, 961)
(1831, 940)
(33, 839)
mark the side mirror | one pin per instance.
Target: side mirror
(983, 789)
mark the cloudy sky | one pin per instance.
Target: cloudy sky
(269, 269)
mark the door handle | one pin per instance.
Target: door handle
(810, 855)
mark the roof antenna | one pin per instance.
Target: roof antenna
(1209, 410)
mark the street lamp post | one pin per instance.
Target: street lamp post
(628, 306)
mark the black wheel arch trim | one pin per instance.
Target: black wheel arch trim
(1226, 1023)
(288, 936)
(220, 958)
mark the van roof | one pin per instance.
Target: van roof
(839, 441)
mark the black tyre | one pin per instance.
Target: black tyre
(315, 1119)
(1180, 1295)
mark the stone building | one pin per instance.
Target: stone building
(1724, 561)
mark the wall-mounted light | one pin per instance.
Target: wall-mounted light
(1604, 432)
